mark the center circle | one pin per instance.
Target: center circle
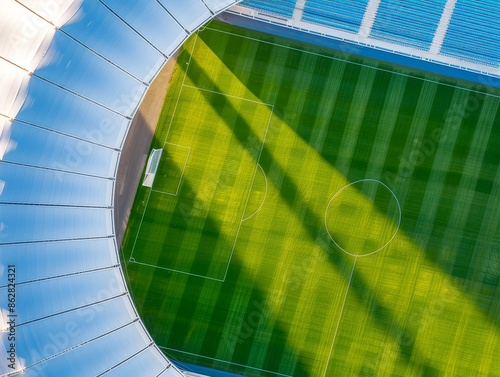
(363, 217)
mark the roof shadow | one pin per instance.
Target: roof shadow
(411, 173)
(289, 193)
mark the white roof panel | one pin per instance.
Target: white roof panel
(45, 298)
(99, 319)
(151, 21)
(12, 88)
(42, 260)
(146, 363)
(102, 31)
(23, 35)
(48, 149)
(52, 107)
(75, 68)
(26, 184)
(105, 353)
(73, 76)
(28, 223)
(55, 11)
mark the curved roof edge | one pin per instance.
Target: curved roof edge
(73, 75)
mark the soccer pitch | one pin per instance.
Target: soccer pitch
(314, 215)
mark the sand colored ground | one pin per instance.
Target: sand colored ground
(136, 147)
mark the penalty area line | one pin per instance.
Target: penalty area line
(227, 95)
(180, 90)
(265, 195)
(132, 260)
(257, 165)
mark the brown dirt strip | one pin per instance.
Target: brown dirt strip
(136, 147)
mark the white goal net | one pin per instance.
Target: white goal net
(152, 166)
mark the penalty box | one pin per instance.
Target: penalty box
(204, 179)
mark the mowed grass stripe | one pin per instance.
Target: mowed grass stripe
(487, 253)
(263, 74)
(369, 125)
(404, 116)
(262, 313)
(466, 215)
(488, 245)
(297, 86)
(438, 194)
(297, 288)
(460, 204)
(284, 281)
(340, 111)
(354, 119)
(331, 86)
(418, 165)
(206, 309)
(416, 127)
(313, 96)
(385, 128)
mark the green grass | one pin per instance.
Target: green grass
(236, 260)
(194, 211)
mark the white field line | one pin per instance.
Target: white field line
(340, 316)
(140, 225)
(132, 260)
(178, 145)
(263, 200)
(346, 186)
(182, 174)
(225, 361)
(164, 192)
(168, 131)
(183, 170)
(227, 95)
(250, 190)
(355, 63)
(180, 91)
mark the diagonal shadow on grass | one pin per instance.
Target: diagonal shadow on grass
(290, 194)
(237, 344)
(255, 81)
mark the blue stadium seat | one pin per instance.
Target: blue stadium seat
(474, 32)
(408, 23)
(340, 14)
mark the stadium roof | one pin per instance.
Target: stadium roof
(73, 74)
